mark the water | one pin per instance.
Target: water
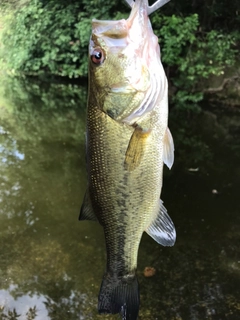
(51, 265)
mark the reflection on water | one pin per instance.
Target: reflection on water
(51, 265)
(22, 304)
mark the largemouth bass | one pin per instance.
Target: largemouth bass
(128, 141)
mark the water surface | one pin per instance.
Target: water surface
(51, 265)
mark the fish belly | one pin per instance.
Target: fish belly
(124, 201)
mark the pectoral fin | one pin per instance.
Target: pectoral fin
(162, 228)
(86, 212)
(136, 148)
(168, 149)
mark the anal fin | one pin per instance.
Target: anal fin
(162, 229)
(86, 212)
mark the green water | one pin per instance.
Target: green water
(51, 264)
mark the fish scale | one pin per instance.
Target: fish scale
(127, 143)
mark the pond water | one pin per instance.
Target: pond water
(51, 265)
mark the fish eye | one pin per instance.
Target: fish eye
(97, 56)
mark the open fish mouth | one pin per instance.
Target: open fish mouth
(148, 51)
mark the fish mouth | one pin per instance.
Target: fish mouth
(148, 52)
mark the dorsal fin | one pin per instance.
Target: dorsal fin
(162, 228)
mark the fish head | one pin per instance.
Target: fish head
(126, 77)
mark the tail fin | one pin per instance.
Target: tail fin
(119, 295)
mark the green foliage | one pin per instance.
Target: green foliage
(213, 15)
(192, 56)
(51, 37)
(40, 39)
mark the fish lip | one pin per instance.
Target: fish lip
(139, 13)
